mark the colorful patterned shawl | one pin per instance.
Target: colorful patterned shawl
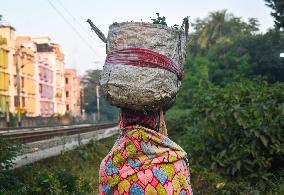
(144, 161)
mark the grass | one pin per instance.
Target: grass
(83, 162)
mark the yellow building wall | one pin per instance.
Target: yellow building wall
(28, 83)
(30, 105)
(3, 104)
(29, 86)
(29, 68)
(4, 76)
(7, 36)
(4, 81)
(3, 58)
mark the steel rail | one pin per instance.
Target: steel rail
(38, 135)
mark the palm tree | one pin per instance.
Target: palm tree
(211, 28)
(221, 24)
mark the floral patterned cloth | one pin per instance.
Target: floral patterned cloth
(144, 161)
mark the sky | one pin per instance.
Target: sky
(64, 21)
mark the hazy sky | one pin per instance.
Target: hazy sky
(83, 50)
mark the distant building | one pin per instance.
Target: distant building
(72, 92)
(40, 71)
(60, 98)
(45, 87)
(55, 58)
(8, 67)
(28, 72)
(4, 77)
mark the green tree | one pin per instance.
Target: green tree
(228, 115)
(221, 24)
(216, 39)
(90, 81)
(263, 51)
(234, 49)
(228, 60)
(236, 130)
(278, 12)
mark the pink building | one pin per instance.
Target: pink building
(55, 58)
(45, 86)
(72, 92)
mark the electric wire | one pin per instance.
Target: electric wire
(82, 27)
(72, 27)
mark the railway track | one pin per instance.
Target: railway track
(38, 134)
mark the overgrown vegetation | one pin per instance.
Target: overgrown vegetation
(8, 152)
(229, 114)
(56, 175)
(277, 13)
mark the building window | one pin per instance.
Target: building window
(15, 81)
(23, 82)
(67, 93)
(23, 102)
(15, 101)
(67, 107)
(66, 80)
(40, 88)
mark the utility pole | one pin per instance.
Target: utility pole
(98, 101)
(7, 114)
(18, 89)
(82, 101)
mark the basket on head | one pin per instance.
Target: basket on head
(143, 68)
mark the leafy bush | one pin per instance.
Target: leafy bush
(72, 184)
(237, 130)
(206, 181)
(244, 123)
(58, 182)
(44, 184)
(230, 123)
(277, 187)
(8, 152)
(39, 183)
(68, 182)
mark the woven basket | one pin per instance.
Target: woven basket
(143, 88)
